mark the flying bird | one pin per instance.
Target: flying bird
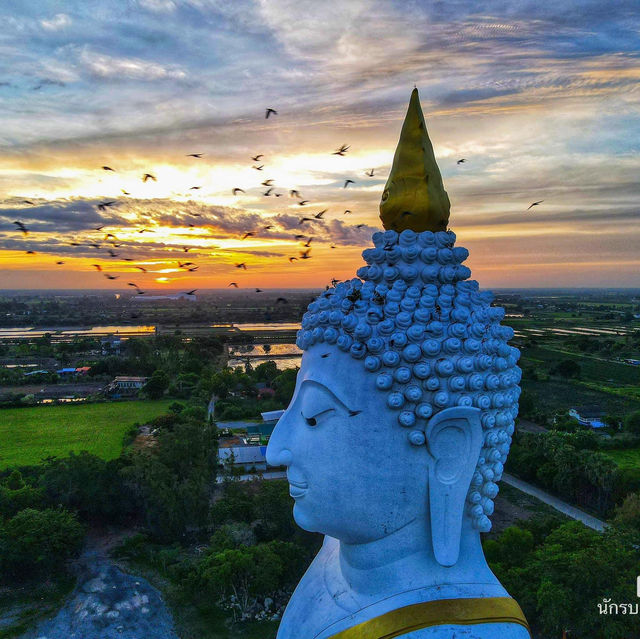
(232, 284)
(369, 173)
(99, 228)
(242, 265)
(103, 205)
(318, 216)
(147, 176)
(125, 192)
(305, 219)
(191, 292)
(97, 267)
(303, 202)
(461, 161)
(342, 150)
(31, 252)
(186, 249)
(282, 300)
(268, 112)
(278, 194)
(144, 231)
(94, 245)
(237, 190)
(353, 413)
(346, 211)
(258, 168)
(333, 246)
(308, 242)
(535, 204)
(60, 262)
(347, 182)
(256, 158)
(193, 268)
(132, 284)
(22, 227)
(258, 290)
(268, 227)
(195, 188)
(111, 277)
(304, 255)
(294, 193)
(293, 259)
(267, 183)
(113, 253)
(268, 192)
(141, 268)
(28, 202)
(194, 155)
(359, 226)
(108, 168)
(246, 235)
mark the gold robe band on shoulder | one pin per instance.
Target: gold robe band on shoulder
(441, 612)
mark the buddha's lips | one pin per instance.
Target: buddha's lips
(297, 489)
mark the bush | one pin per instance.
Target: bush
(632, 423)
(38, 542)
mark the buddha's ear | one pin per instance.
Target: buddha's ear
(454, 438)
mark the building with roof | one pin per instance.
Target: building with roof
(125, 386)
(589, 416)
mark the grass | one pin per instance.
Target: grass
(591, 368)
(557, 395)
(30, 434)
(625, 458)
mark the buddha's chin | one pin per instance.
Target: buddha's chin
(304, 519)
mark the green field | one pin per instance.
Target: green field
(629, 458)
(27, 435)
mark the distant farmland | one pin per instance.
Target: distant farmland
(27, 435)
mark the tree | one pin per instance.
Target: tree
(173, 480)
(632, 423)
(157, 384)
(38, 542)
(568, 368)
(628, 513)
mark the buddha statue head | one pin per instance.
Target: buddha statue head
(405, 401)
(406, 398)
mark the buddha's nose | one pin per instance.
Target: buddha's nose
(278, 453)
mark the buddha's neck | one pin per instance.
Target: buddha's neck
(404, 560)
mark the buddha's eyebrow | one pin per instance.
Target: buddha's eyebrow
(334, 397)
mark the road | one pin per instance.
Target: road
(554, 502)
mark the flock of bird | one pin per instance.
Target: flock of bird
(113, 243)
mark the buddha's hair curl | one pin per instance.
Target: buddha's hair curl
(431, 340)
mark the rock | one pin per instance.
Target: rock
(109, 604)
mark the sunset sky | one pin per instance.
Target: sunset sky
(541, 98)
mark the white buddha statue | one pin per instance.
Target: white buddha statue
(398, 430)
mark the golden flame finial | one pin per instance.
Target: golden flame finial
(414, 196)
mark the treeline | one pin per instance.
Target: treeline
(561, 573)
(573, 466)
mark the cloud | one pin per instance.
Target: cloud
(105, 66)
(59, 21)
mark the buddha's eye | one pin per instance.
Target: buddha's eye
(317, 417)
